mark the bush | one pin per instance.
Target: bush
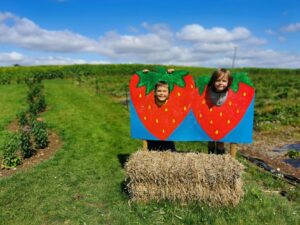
(40, 134)
(41, 104)
(10, 149)
(35, 90)
(38, 106)
(22, 119)
(36, 98)
(25, 144)
(33, 108)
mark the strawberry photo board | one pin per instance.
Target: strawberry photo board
(233, 120)
(151, 122)
(188, 114)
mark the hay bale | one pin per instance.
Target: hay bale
(213, 179)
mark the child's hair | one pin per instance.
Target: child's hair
(161, 83)
(216, 75)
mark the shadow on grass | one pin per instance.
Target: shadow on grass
(123, 158)
(124, 188)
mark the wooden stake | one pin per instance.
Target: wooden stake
(233, 150)
(145, 145)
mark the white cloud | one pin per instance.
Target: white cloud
(214, 47)
(197, 33)
(190, 45)
(11, 57)
(18, 58)
(267, 58)
(24, 33)
(175, 56)
(291, 28)
(129, 44)
(160, 29)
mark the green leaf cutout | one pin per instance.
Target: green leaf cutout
(240, 77)
(151, 78)
(201, 82)
(148, 80)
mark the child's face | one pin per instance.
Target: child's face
(221, 83)
(162, 93)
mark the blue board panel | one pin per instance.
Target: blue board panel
(190, 130)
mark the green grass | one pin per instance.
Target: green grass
(11, 101)
(82, 183)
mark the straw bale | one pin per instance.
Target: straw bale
(213, 179)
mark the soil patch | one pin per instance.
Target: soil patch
(41, 155)
(272, 148)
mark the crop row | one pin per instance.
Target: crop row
(20, 74)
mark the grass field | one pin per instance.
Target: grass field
(82, 182)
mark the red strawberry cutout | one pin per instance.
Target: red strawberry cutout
(218, 121)
(162, 121)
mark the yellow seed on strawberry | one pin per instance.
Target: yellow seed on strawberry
(173, 120)
(216, 132)
(228, 121)
(145, 118)
(192, 86)
(211, 122)
(203, 102)
(221, 114)
(149, 107)
(237, 111)
(230, 103)
(166, 109)
(244, 94)
(179, 94)
(156, 120)
(163, 130)
(184, 108)
(140, 95)
(200, 115)
(210, 109)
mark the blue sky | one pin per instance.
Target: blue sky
(265, 33)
